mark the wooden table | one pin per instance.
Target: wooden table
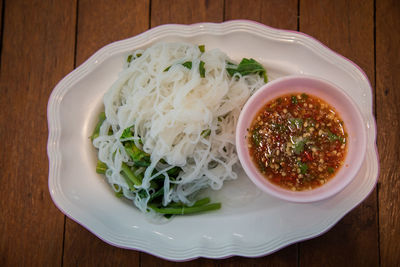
(43, 40)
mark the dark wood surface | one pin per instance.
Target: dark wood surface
(43, 40)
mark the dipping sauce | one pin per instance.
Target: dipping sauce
(298, 141)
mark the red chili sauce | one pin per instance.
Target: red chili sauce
(298, 141)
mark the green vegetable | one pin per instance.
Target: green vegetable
(333, 137)
(256, 137)
(129, 59)
(295, 123)
(139, 157)
(174, 171)
(198, 203)
(142, 193)
(279, 127)
(186, 210)
(294, 99)
(247, 67)
(331, 170)
(206, 133)
(299, 147)
(102, 118)
(119, 194)
(303, 167)
(101, 167)
(202, 48)
(157, 194)
(128, 181)
(127, 133)
(130, 175)
(187, 64)
(304, 96)
(202, 70)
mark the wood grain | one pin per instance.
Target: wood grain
(100, 23)
(280, 14)
(37, 51)
(388, 114)
(348, 28)
(1, 25)
(186, 11)
(103, 22)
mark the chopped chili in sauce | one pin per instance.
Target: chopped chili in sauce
(298, 141)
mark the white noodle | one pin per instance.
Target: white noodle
(169, 111)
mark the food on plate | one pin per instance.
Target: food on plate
(168, 127)
(298, 141)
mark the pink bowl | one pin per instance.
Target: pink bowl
(347, 109)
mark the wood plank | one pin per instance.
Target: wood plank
(283, 15)
(388, 114)
(280, 14)
(37, 51)
(346, 27)
(186, 11)
(99, 24)
(1, 26)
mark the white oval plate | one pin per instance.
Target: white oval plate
(250, 223)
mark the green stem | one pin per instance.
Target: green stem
(200, 202)
(101, 167)
(186, 210)
(130, 175)
(96, 132)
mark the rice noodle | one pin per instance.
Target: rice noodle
(169, 111)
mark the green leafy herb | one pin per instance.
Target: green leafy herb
(304, 96)
(206, 133)
(331, 170)
(256, 137)
(299, 147)
(202, 48)
(101, 167)
(187, 64)
(333, 137)
(279, 127)
(303, 167)
(119, 194)
(295, 123)
(202, 70)
(294, 99)
(247, 67)
(127, 133)
(133, 57)
(174, 171)
(129, 59)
